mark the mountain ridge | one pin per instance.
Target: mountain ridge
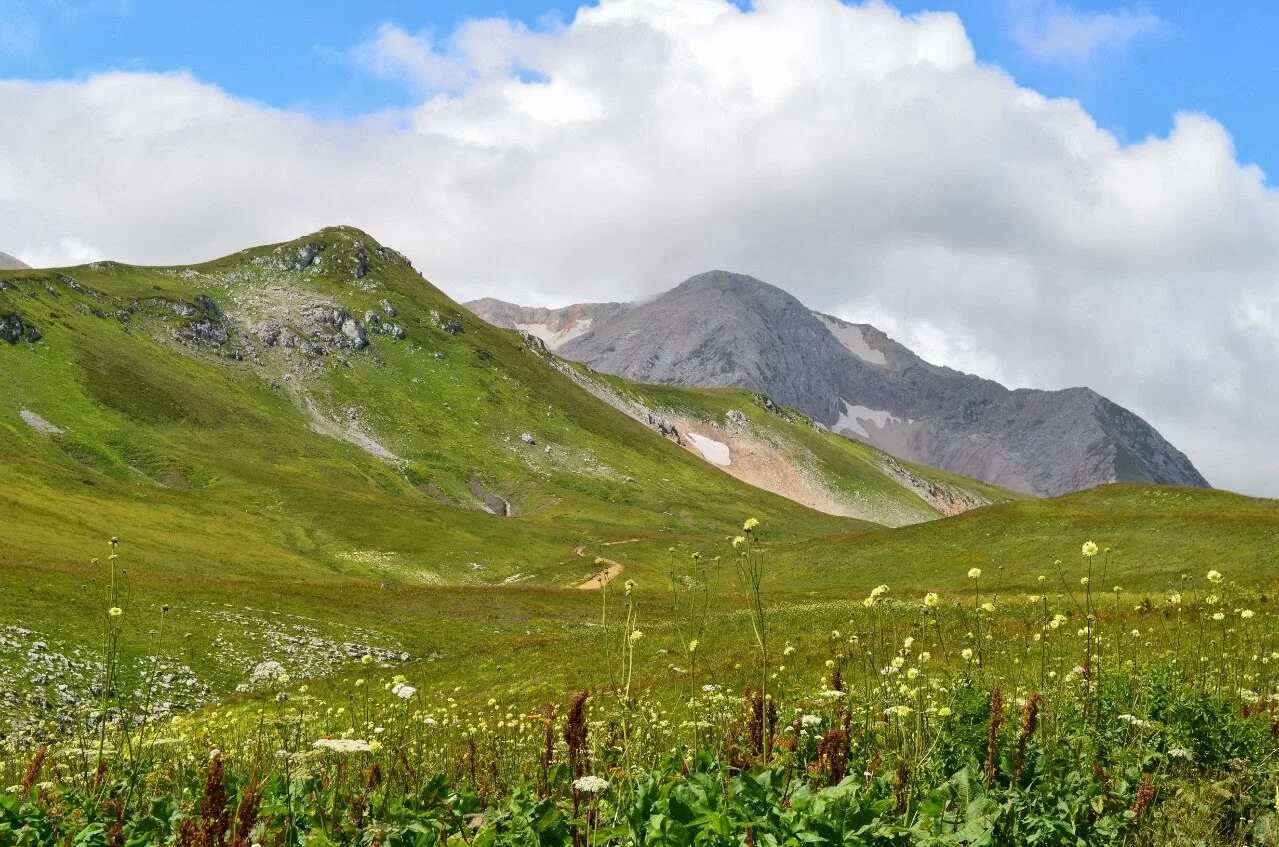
(12, 263)
(721, 329)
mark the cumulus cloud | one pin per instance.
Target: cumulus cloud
(859, 157)
(1052, 32)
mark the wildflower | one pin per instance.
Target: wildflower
(788, 651)
(1219, 616)
(375, 745)
(1083, 580)
(1214, 576)
(943, 712)
(367, 659)
(988, 606)
(636, 636)
(629, 586)
(967, 654)
(834, 695)
(1089, 549)
(750, 524)
(590, 784)
(1246, 613)
(811, 720)
(343, 745)
(1174, 599)
(404, 692)
(974, 573)
(739, 540)
(931, 599)
(692, 646)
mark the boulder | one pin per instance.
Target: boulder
(361, 260)
(11, 328)
(307, 255)
(355, 334)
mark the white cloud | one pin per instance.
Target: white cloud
(858, 157)
(1053, 32)
(61, 253)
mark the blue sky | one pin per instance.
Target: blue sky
(1185, 54)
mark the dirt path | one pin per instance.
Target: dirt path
(605, 576)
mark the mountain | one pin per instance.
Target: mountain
(9, 263)
(732, 330)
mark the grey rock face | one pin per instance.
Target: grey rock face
(204, 332)
(11, 328)
(9, 263)
(721, 329)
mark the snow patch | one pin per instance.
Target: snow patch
(555, 339)
(850, 420)
(39, 424)
(852, 337)
(715, 452)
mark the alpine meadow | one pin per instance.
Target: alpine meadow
(602, 548)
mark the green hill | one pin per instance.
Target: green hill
(313, 429)
(1154, 536)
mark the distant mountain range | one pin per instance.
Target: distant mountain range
(9, 263)
(721, 329)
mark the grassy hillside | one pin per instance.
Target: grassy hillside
(244, 445)
(1154, 535)
(842, 475)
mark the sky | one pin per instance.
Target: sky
(1046, 193)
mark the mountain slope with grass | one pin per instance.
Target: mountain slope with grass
(781, 450)
(1155, 538)
(314, 431)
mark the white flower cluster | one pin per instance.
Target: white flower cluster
(590, 784)
(343, 745)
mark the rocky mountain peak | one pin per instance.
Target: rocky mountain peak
(724, 329)
(10, 263)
